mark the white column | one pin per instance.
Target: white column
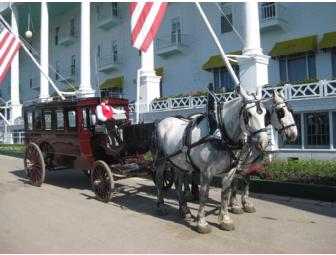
(85, 89)
(149, 82)
(15, 89)
(254, 70)
(44, 62)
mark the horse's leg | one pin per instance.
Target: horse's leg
(160, 167)
(183, 207)
(186, 183)
(234, 204)
(246, 202)
(202, 225)
(224, 220)
(195, 181)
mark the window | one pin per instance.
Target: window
(98, 8)
(56, 35)
(72, 27)
(112, 92)
(98, 51)
(297, 67)
(72, 119)
(85, 118)
(297, 143)
(226, 20)
(47, 120)
(333, 62)
(317, 128)
(176, 31)
(57, 70)
(115, 9)
(59, 119)
(37, 119)
(222, 78)
(115, 51)
(73, 64)
(30, 120)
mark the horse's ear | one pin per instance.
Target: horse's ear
(276, 97)
(259, 93)
(282, 94)
(244, 94)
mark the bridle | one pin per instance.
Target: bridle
(243, 112)
(280, 112)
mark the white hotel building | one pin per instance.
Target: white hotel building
(300, 38)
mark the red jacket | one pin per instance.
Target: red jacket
(107, 111)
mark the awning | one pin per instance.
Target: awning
(216, 61)
(117, 82)
(299, 45)
(159, 71)
(328, 40)
(64, 90)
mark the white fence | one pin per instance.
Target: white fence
(16, 137)
(321, 89)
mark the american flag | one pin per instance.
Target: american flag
(9, 46)
(145, 21)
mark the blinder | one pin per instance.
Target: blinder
(267, 118)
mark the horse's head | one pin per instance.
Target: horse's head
(282, 118)
(252, 118)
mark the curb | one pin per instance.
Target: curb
(12, 154)
(289, 189)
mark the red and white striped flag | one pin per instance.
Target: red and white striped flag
(145, 21)
(9, 46)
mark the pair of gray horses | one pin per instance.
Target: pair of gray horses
(242, 118)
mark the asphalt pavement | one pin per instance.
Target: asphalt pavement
(63, 216)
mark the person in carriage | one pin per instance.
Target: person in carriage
(106, 115)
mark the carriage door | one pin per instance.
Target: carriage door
(85, 134)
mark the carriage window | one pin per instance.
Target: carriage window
(38, 119)
(30, 120)
(59, 120)
(85, 121)
(47, 120)
(72, 119)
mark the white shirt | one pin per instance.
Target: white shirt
(100, 115)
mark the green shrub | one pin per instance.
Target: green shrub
(12, 147)
(302, 171)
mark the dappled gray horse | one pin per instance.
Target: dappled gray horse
(280, 116)
(238, 117)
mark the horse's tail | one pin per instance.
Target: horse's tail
(155, 147)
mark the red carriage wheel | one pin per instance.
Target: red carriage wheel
(34, 164)
(102, 181)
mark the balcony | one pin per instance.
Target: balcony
(108, 63)
(272, 16)
(67, 38)
(175, 43)
(107, 19)
(69, 74)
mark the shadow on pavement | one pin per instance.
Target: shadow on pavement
(314, 206)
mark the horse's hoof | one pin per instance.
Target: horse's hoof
(185, 214)
(249, 209)
(162, 211)
(236, 210)
(226, 226)
(203, 229)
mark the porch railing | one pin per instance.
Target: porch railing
(321, 89)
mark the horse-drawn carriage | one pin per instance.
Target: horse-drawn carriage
(66, 134)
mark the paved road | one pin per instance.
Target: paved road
(63, 217)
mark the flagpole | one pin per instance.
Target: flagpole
(138, 97)
(34, 60)
(225, 58)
